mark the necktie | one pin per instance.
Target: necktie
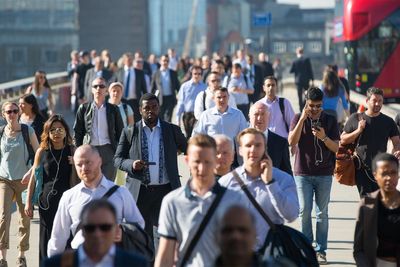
(127, 85)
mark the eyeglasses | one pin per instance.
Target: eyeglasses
(15, 111)
(312, 106)
(57, 130)
(216, 80)
(101, 86)
(104, 227)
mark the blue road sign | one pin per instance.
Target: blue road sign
(262, 19)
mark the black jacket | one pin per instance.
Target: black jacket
(278, 150)
(37, 125)
(302, 70)
(83, 124)
(130, 150)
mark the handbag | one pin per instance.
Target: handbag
(282, 240)
(346, 162)
(38, 172)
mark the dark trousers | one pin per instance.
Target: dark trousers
(365, 183)
(188, 123)
(245, 110)
(301, 88)
(107, 156)
(134, 103)
(167, 107)
(149, 204)
(46, 225)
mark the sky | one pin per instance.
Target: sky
(310, 3)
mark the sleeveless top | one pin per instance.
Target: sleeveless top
(42, 98)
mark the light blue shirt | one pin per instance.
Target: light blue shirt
(165, 82)
(187, 96)
(240, 98)
(212, 122)
(278, 199)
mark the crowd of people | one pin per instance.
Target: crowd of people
(237, 131)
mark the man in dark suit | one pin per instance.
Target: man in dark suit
(165, 85)
(134, 82)
(97, 71)
(303, 73)
(277, 146)
(99, 123)
(148, 152)
(100, 229)
(265, 65)
(254, 74)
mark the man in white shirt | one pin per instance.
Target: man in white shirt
(204, 99)
(94, 185)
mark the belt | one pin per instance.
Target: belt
(156, 186)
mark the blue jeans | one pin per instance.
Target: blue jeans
(307, 186)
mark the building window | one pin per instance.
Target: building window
(17, 56)
(294, 45)
(49, 56)
(279, 47)
(314, 47)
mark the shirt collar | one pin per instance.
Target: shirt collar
(269, 101)
(243, 174)
(127, 68)
(103, 183)
(190, 194)
(144, 125)
(83, 257)
(215, 111)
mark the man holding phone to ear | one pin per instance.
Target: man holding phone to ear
(317, 136)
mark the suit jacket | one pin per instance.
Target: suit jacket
(366, 233)
(258, 83)
(267, 69)
(90, 76)
(122, 259)
(278, 150)
(156, 84)
(83, 124)
(302, 70)
(140, 81)
(130, 150)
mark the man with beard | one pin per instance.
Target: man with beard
(371, 131)
(147, 151)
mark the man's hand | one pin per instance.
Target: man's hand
(304, 114)
(138, 165)
(397, 154)
(118, 236)
(319, 132)
(266, 169)
(361, 125)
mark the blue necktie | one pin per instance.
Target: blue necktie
(128, 81)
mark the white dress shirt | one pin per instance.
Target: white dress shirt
(71, 205)
(209, 103)
(153, 145)
(106, 261)
(99, 135)
(131, 85)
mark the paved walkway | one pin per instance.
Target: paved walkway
(342, 213)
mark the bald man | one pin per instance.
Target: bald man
(277, 146)
(93, 185)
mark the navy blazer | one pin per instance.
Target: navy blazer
(278, 150)
(302, 70)
(122, 259)
(156, 83)
(140, 81)
(130, 150)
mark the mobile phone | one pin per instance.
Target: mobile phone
(316, 124)
(149, 163)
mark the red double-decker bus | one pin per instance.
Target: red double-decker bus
(367, 44)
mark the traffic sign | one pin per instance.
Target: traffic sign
(262, 19)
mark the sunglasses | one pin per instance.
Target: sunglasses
(15, 111)
(101, 86)
(90, 228)
(217, 80)
(57, 130)
(315, 106)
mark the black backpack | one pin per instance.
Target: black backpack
(27, 140)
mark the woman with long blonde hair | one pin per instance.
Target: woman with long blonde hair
(42, 91)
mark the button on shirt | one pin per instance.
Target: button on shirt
(240, 98)
(277, 121)
(187, 96)
(106, 261)
(71, 204)
(200, 105)
(278, 199)
(99, 135)
(165, 82)
(181, 213)
(212, 122)
(131, 85)
(153, 145)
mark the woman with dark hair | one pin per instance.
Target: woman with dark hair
(333, 95)
(14, 163)
(55, 157)
(42, 91)
(30, 114)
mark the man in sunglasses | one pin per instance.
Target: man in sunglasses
(93, 185)
(316, 134)
(99, 123)
(100, 230)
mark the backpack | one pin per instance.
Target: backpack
(282, 108)
(27, 140)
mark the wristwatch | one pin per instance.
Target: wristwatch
(270, 182)
(325, 138)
